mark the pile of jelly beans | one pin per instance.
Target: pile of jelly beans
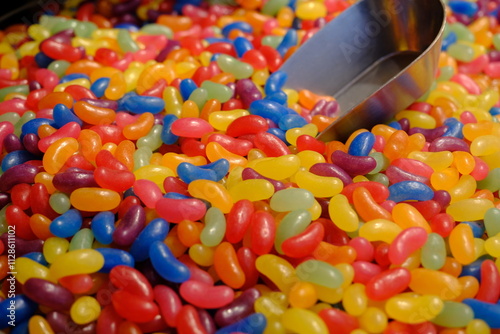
(157, 176)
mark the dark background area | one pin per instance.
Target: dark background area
(25, 11)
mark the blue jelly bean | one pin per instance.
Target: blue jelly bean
(362, 144)
(463, 7)
(166, 264)
(279, 96)
(477, 230)
(186, 87)
(473, 269)
(37, 257)
(454, 128)
(488, 312)
(239, 25)
(220, 167)
(139, 104)
(32, 125)
(175, 195)
(181, 3)
(156, 230)
(188, 172)
(268, 109)
(253, 324)
(242, 45)
(103, 226)
(410, 190)
(450, 39)
(291, 121)
(99, 86)
(290, 39)
(167, 137)
(275, 82)
(63, 115)
(42, 60)
(127, 26)
(17, 158)
(115, 257)
(16, 309)
(494, 111)
(395, 125)
(21, 328)
(67, 224)
(279, 133)
(73, 76)
(212, 40)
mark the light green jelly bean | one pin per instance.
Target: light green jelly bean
(153, 139)
(492, 221)
(380, 178)
(85, 29)
(20, 89)
(292, 224)
(272, 7)
(11, 117)
(59, 67)
(446, 73)
(3, 219)
(215, 227)
(59, 202)
(382, 162)
(157, 29)
(82, 239)
(64, 25)
(27, 116)
(125, 41)
(490, 182)
(272, 41)
(239, 69)
(462, 32)
(496, 41)
(433, 255)
(291, 199)
(142, 156)
(173, 101)
(54, 247)
(454, 315)
(199, 96)
(217, 91)
(50, 21)
(320, 273)
(461, 52)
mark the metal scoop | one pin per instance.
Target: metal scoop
(375, 58)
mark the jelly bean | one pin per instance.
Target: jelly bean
(203, 295)
(379, 230)
(166, 264)
(292, 224)
(406, 308)
(67, 224)
(16, 309)
(81, 261)
(155, 230)
(490, 283)
(176, 210)
(141, 310)
(94, 199)
(433, 252)
(408, 241)
(278, 270)
(130, 226)
(484, 311)
(303, 321)
(291, 199)
(47, 293)
(114, 257)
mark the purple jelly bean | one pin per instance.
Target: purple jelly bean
(171, 45)
(130, 226)
(49, 294)
(4, 199)
(125, 7)
(74, 178)
(353, 165)
(206, 321)
(158, 119)
(63, 36)
(247, 91)
(405, 124)
(448, 144)
(494, 55)
(396, 174)
(23, 246)
(237, 309)
(331, 108)
(30, 142)
(61, 323)
(249, 173)
(429, 134)
(11, 143)
(102, 103)
(442, 197)
(332, 170)
(34, 85)
(23, 173)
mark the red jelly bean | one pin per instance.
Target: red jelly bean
(388, 283)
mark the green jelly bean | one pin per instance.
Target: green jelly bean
(433, 255)
(59, 202)
(492, 221)
(59, 67)
(239, 69)
(82, 239)
(50, 21)
(199, 96)
(379, 177)
(64, 25)
(215, 227)
(454, 315)
(445, 73)
(173, 101)
(153, 139)
(496, 41)
(85, 29)
(20, 89)
(291, 199)
(125, 41)
(12, 117)
(217, 91)
(463, 33)
(54, 247)
(490, 182)
(157, 29)
(142, 156)
(3, 219)
(272, 7)
(292, 224)
(461, 52)
(320, 273)
(272, 41)
(27, 116)
(382, 162)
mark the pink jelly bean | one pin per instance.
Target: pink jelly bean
(407, 241)
(191, 127)
(475, 66)
(493, 69)
(388, 283)
(169, 302)
(467, 83)
(364, 271)
(364, 249)
(177, 210)
(206, 296)
(148, 192)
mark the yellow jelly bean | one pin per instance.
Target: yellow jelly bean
(413, 309)
(315, 210)
(417, 119)
(308, 129)
(310, 10)
(213, 192)
(94, 199)
(154, 173)
(215, 151)
(477, 326)
(202, 255)
(303, 295)
(343, 214)
(492, 245)
(302, 321)
(272, 305)
(465, 188)
(79, 82)
(329, 295)
(432, 282)
(485, 145)
(85, 310)
(380, 230)
(81, 261)
(464, 162)
(173, 160)
(320, 186)
(252, 189)
(445, 179)
(355, 300)
(309, 158)
(278, 270)
(220, 120)
(26, 268)
(278, 168)
(407, 216)
(173, 101)
(54, 247)
(39, 325)
(461, 241)
(58, 153)
(469, 209)
(373, 320)
(436, 160)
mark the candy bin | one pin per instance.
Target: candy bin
(162, 172)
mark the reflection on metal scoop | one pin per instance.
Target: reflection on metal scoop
(375, 58)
